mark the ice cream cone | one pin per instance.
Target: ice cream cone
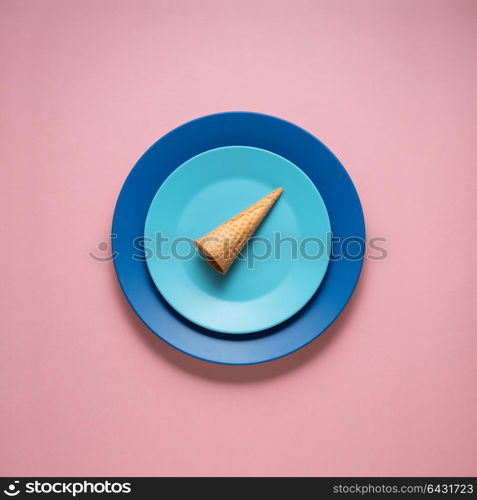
(222, 245)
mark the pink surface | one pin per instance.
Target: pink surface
(389, 86)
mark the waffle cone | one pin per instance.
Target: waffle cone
(222, 245)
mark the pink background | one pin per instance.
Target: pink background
(389, 86)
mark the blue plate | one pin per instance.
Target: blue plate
(286, 140)
(281, 267)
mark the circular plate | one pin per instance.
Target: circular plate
(277, 272)
(228, 129)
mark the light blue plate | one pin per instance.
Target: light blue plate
(281, 267)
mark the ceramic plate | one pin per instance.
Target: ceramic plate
(277, 272)
(290, 142)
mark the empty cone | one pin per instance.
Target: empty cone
(222, 245)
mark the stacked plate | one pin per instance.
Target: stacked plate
(292, 279)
